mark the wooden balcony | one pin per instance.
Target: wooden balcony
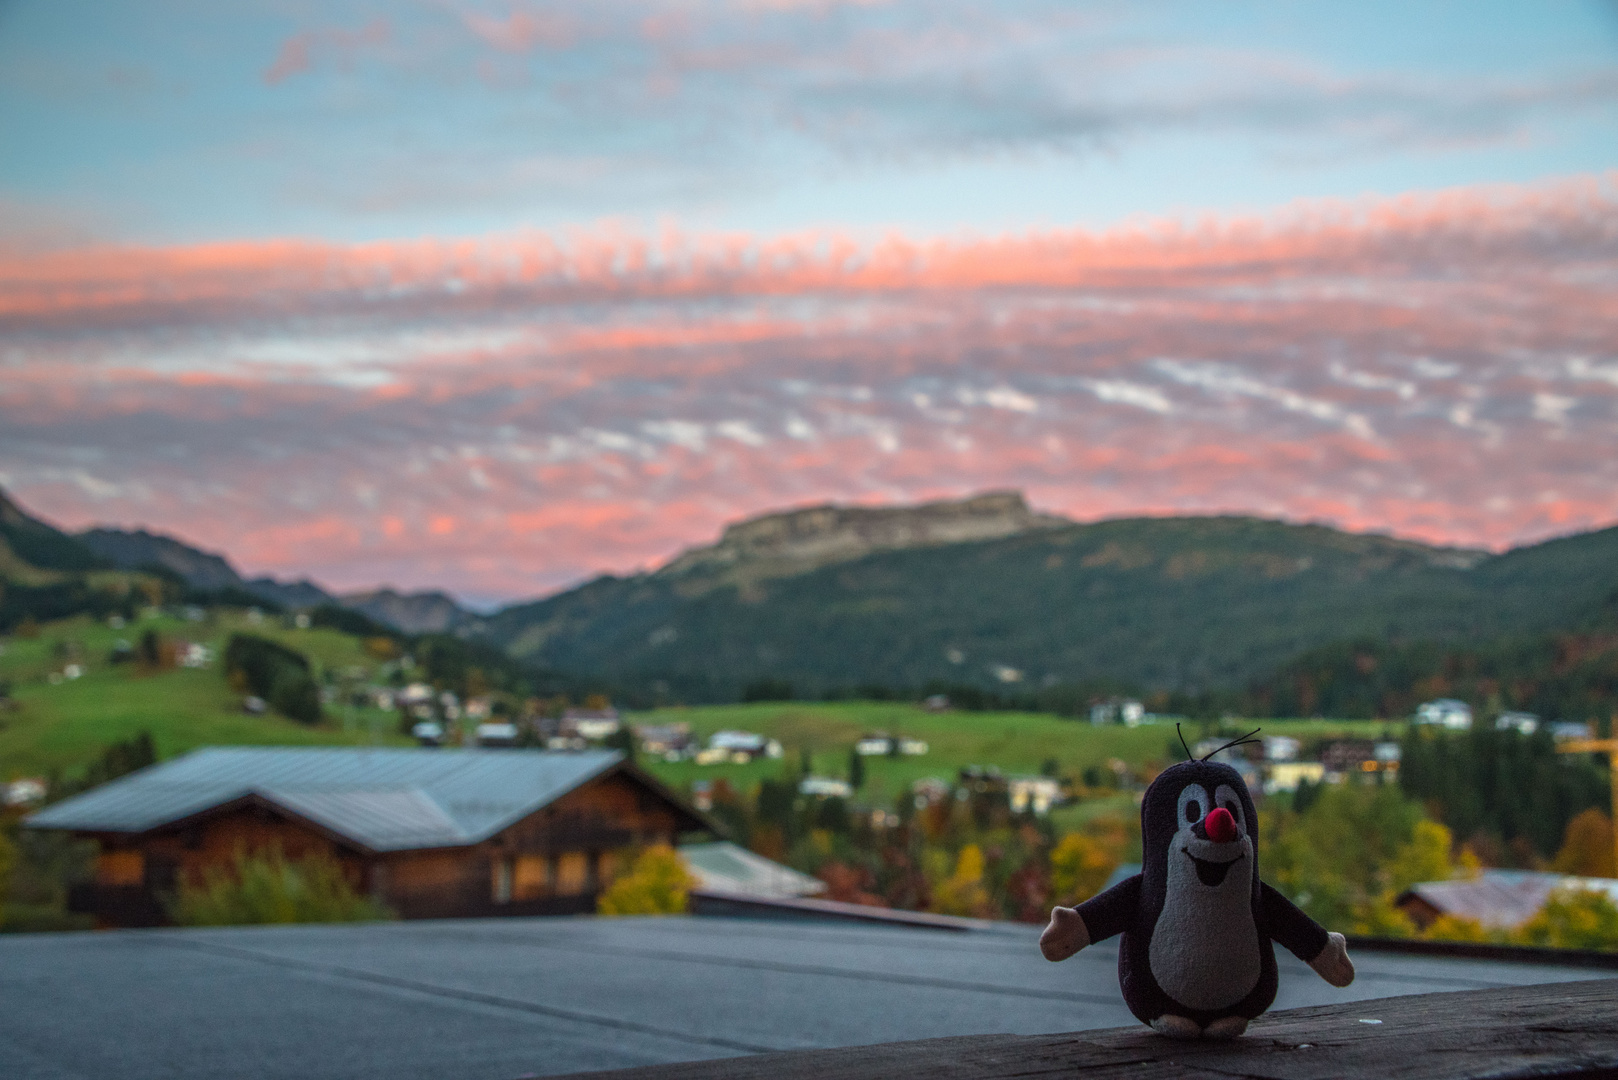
(1549, 1031)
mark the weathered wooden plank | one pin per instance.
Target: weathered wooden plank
(1557, 1030)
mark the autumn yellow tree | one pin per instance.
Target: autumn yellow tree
(963, 892)
(1587, 846)
(1080, 865)
(1574, 919)
(657, 884)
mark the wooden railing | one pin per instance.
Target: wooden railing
(1545, 1032)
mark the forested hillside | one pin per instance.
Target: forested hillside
(1175, 604)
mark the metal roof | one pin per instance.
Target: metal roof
(1502, 899)
(727, 868)
(385, 800)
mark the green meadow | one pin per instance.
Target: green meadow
(1016, 743)
(62, 726)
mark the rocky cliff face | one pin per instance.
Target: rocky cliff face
(778, 545)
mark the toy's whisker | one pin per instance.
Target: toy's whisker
(1243, 741)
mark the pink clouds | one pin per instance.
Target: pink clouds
(299, 52)
(501, 415)
(1509, 229)
(523, 29)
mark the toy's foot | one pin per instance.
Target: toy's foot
(1177, 1027)
(1226, 1027)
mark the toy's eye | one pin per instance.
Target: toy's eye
(1225, 796)
(1193, 803)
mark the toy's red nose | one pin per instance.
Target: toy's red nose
(1220, 825)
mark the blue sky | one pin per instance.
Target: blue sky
(179, 122)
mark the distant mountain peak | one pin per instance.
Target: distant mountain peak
(414, 613)
(137, 548)
(29, 544)
(794, 541)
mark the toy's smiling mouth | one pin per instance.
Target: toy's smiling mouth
(1212, 873)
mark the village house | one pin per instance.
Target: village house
(1034, 793)
(429, 833)
(671, 742)
(590, 724)
(737, 747)
(1495, 899)
(1289, 775)
(1446, 713)
(881, 744)
(1118, 711)
(1523, 723)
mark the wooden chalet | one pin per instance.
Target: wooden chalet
(430, 833)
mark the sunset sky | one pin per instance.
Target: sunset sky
(496, 296)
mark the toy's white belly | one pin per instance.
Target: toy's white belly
(1204, 951)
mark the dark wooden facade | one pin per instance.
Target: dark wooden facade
(554, 861)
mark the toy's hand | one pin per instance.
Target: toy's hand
(1065, 936)
(1333, 963)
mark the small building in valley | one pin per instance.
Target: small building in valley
(1495, 899)
(722, 868)
(1445, 713)
(430, 833)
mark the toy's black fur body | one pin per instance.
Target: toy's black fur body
(1212, 929)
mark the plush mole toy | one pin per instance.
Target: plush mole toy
(1196, 959)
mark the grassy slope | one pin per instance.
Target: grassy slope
(66, 725)
(1016, 742)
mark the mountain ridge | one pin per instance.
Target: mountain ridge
(1188, 603)
(785, 543)
(134, 549)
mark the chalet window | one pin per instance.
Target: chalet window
(572, 873)
(501, 880)
(121, 867)
(531, 877)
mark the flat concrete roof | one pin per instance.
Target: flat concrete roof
(501, 999)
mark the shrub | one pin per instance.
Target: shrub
(1080, 865)
(1574, 919)
(267, 887)
(1456, 928)
(1587, 849)
(279, 675)
(657, 884)
(963, 892)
